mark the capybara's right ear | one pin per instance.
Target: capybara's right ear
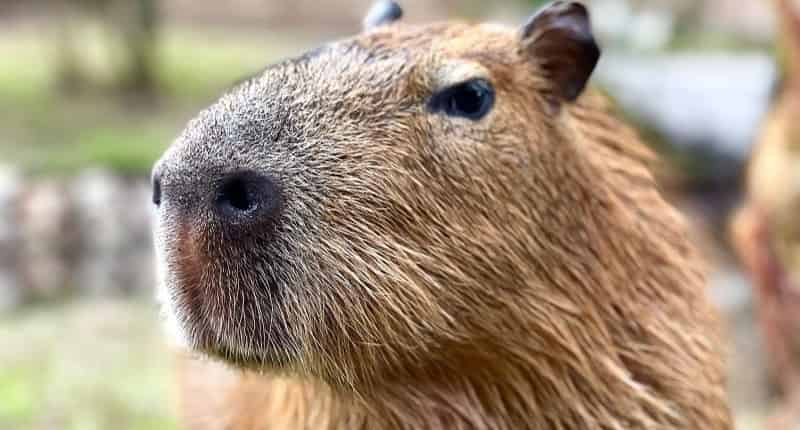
(559, 39)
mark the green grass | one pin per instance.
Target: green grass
(47, 132)
(123, 148)
(83, 366)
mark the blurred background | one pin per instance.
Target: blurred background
(92, 91)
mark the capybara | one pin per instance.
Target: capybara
(432, 227)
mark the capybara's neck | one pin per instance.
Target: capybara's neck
(633, 375)
(520, 398)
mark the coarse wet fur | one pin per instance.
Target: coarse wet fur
(423, 271)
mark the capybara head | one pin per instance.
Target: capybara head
(422, 198)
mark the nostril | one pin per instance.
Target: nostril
(157, 189)
(237, 194)
(247, 197)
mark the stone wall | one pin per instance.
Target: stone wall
(84, 235)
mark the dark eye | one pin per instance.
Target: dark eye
(472, 100)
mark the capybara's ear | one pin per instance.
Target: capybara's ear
(381, 13)
(559, 39)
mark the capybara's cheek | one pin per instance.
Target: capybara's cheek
(181, 264)
(220, 300)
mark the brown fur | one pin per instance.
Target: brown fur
(518, 272)
(765, 231)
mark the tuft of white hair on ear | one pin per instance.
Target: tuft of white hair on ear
(381, 13)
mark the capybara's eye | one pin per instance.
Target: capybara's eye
(471, 100)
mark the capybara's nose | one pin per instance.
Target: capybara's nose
(235, 198)
(247, 196)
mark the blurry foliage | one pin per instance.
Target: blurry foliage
(130, 30)
(46, 132)
(538, 3)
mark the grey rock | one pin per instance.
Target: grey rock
(114, 217)
(46, 238)
(100, 201)
(716, 101)
(11, 184)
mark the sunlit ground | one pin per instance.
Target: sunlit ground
(85, 365)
